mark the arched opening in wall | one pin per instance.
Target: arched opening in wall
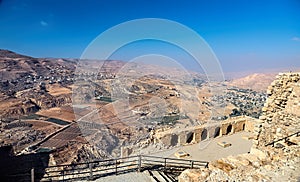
(217, 132)
(244, 125)
(204, 134)
(229, 129)
(189, 137)
(174, 140)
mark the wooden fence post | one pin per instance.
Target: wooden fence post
(32, 175)
(116, 166)
(139, 163)
(91, 170)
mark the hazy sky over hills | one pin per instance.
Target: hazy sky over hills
(245, 35)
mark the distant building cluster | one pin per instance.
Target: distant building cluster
(247, 102)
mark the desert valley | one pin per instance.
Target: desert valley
(57, 107)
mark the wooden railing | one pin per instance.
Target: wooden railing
(96, 169)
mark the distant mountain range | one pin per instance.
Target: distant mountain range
(256, 81)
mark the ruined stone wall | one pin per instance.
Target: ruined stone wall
(202, 132)
(281, 112)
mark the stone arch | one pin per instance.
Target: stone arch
(217, 132)
(244, 126)
(174, 140)
(204, 134)
(229, 129)
(189, 137)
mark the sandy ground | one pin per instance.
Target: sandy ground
(65, 113)
(209, 151)
(56, 90)
(45, 126)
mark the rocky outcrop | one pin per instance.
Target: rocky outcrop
(32, 104)
(76, 153)
(281, 112)
(19, 134)
(49, 101)
(19, 107)
(273, 165)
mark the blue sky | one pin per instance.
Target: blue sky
(245, 35)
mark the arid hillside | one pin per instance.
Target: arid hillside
(256, 81)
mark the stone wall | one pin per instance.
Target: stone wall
(200, 133)
(281, 112)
